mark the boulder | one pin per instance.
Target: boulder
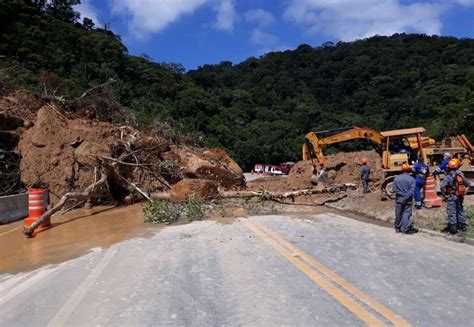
(193, 188)
(211, 164)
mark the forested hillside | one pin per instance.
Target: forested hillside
(259, 109)
(267, 104)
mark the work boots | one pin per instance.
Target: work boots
(451, 229)
(411, 230)
(462, 227)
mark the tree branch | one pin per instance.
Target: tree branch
(78, 196)
(111, 81)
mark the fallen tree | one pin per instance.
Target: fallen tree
(266, 195)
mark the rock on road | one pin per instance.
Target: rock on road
(324, 270)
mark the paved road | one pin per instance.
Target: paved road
(325, 270)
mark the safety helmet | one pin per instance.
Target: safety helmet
(448, 155)
(406, 167)
(454, 163)
(364, 161)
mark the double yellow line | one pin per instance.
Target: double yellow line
(327, 279)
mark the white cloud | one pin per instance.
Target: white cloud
(226, 15)
(351, 19)
(466, 3)
(262, 38)
(86, 9)
(153, 16)
(259, 17)
(149, 16)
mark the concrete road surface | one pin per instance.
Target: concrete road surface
(326, 270)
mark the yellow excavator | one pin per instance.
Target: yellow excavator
(395, 147)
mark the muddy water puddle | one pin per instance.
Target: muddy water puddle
(70, 236)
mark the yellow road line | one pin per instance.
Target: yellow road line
(378, 307)
(351, 305)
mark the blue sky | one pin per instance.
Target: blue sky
(198, 32)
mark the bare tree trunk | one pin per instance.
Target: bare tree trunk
(111, 81)
(282, 195)
(266, 194)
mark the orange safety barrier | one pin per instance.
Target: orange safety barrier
(36, 207)
(431, 198)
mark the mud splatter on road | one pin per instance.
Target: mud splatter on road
(71, 235)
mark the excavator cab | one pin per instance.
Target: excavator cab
(402, 146)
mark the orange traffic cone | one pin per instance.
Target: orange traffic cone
(431, 199)
(36, 207)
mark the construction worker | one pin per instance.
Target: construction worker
(404, 188)
(454, 187)
(364, 175)
(443, 166)
(420, 172)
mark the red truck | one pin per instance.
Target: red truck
(285, 167)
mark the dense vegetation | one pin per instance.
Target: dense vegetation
(259, 109)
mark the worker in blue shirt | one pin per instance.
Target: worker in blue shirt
(420, 172)
(454, 187)
(443, 166)
(364, 174)
(404, 189)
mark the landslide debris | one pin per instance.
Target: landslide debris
(341, 168)
(60, 150)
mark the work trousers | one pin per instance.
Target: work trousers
(403, 212)
(455, 210)
(365, 184)
(419, 192)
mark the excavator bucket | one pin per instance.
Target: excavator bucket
(321, 177)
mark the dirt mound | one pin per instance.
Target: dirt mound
(55, 151)
(342, 167)
(193, 188)
(300, 175)
(60, 151)
(345, 167)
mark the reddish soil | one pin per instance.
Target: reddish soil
(60, 151)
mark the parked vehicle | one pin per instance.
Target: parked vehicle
(259, 168)
(267, 169)
(285, 167)
(274, 171)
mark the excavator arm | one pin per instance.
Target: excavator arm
(312, 149)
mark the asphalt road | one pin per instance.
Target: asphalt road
(325, 270)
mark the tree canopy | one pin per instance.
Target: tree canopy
(258, 109)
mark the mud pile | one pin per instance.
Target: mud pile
(57, 152)
(340, 168)
(345, 167)
(60, 151)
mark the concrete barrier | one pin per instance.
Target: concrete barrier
(14, 207)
